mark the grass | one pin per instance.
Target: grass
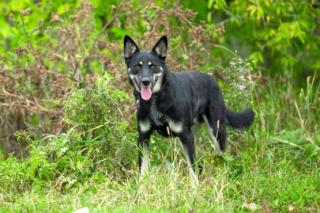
(267, 168)
(272, 167)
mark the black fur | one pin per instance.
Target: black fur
(240, 119)
(183, 99)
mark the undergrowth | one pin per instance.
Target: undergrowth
(76, 121)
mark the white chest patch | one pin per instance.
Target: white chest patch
(160, 119)
(144, 125)
(176, 127)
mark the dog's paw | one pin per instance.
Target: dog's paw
(194, 182)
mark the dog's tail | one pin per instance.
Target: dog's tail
(240, 120)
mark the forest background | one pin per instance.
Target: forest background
(67, 115)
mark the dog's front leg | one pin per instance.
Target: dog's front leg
(187, 140)
(143, 145)
(144, 153)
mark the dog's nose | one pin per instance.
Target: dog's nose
(145, 81)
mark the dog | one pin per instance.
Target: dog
(173, 103)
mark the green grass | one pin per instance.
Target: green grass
(269, 166)
(255, 176)
(92, 161)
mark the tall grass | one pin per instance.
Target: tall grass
(272, 166)
(92, 160)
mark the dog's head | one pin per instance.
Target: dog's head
(146, 69)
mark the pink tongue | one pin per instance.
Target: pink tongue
(146, 92)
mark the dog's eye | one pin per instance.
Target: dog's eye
(136, 69)
(138, 66)
(152, 67)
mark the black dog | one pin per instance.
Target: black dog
(172, 103)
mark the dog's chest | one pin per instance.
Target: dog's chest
(157, 116)
(159, 119)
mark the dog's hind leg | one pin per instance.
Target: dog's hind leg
(215, 120)
(213, 139)
(187, 140)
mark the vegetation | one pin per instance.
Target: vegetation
(67, 124)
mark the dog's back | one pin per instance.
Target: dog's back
(193, 93)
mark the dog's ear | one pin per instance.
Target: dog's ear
(161, 47)
(129, 47)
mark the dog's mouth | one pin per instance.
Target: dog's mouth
(146, 92)
(146, 89)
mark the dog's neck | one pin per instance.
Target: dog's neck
(159, 104)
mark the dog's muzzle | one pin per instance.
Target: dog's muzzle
(146, 89)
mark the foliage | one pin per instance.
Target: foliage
(23, 22)
(65, 101)
(282, 37)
